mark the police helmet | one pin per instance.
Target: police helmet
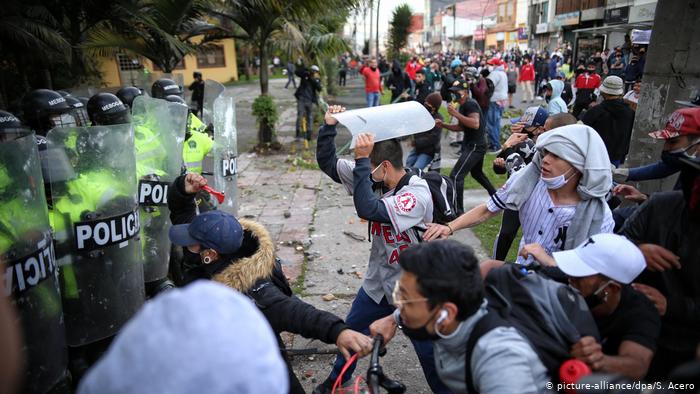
(63, 93)
(107, 109)
(127, 94)
(45, 109)
(10, 126)
(175, 99)
(165, 87)
(79, 111)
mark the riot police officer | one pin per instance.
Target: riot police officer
(26, 249)
(127, 94)
(151, 158)
(44, 109)
(197, 143)
(96, 224)
(79, 111)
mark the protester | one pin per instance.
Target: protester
(667, 230)
(422, 88)
(307, 96)
(291, 68)
(568, 180)
(617, 66)
(399, 83)
(526, 79)
(342, 71)
(602, 269)
(631, 98)
(440, 297)
(433, 76)
(517, 153)
(182, 341)
(513, 75)
(197, 88)
(373, 85)
(392, 212)
(497, 103)
(553, 92)
(241, 255)
(542, 73)
(633, 71)
(612, 119)
(427, 144)
(479, 89)
(470, 121)
(412, 68)
(553, 67)
(586, 84)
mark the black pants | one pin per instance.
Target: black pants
(510, 223)
(304, 111)
(471, 160)
(342, 76)
(579, 107)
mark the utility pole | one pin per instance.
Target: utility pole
(671, 72)
(371, 27)
(454, 27)
(377, 38)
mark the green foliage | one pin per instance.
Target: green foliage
(264, 110)
(398, 30)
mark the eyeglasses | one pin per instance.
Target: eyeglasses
(398, 302)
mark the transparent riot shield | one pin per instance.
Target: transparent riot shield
(30, 273)
(387, 121)
(96, 222)
(226, 152)
(159, 131)
(212, 91)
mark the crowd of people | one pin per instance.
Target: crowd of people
(606, 276)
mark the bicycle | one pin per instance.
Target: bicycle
(375, 379)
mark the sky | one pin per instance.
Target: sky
(385, 11)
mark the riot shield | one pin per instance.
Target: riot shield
(95, 217)
(212, 91)
(387, 121)
(30, 273)
(159, 132)
(226, 152)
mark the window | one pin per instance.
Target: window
(211, 57)
(544, 12)
(128, 63)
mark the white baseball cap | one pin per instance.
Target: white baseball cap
(607, 254)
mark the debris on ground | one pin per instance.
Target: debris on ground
(354, 236)
(328, 297)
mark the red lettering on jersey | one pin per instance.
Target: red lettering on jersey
(376, 228)
(386, 232)
(394, 258)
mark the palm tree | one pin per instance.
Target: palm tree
(29, 34)
(159, 30)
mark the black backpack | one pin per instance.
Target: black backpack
(550, 315)
(490, 88)
(442, 191)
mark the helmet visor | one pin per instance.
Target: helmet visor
(62, 120)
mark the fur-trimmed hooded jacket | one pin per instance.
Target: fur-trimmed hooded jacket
(255, 272)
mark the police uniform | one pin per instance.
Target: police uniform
(197, 146)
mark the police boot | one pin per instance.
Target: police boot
(158, 286)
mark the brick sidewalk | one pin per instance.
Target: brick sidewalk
(282, 197)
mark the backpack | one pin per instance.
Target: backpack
(550, 315)
(442, 192)
(490, 88)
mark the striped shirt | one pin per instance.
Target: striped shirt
(542, 221)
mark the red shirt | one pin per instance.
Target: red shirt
(411, 69)
(527, 72)
(587, 81)
(372, 83)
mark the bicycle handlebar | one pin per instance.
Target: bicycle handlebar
(375, 374)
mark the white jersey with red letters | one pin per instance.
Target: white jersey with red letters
(409, 207)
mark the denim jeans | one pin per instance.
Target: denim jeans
(304, 110)
(373, 99)
(493, 125)
(363, 312)
(418, 160)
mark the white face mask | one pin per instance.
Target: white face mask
(556, 182)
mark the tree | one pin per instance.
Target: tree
(162, 31)
(398, 30)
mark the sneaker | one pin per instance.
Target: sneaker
(538, 98)
(493, 150)
(325, 387)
